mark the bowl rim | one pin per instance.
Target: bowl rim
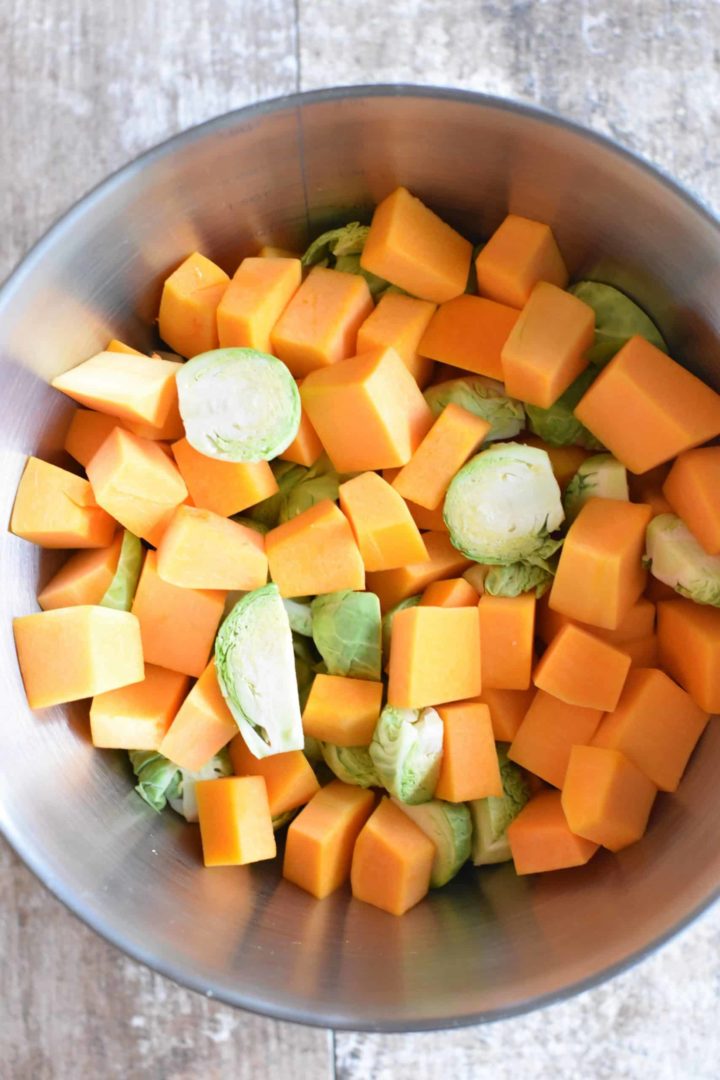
(33, 859)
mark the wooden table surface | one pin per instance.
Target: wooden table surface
(84, 86)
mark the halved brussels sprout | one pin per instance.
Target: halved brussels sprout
(617, 319)
(491, 816)
(121, 590)
(351, 764)
(300, 616)
(674, 556)
(600, 476)
(346, 629)
(483, 397)
(558, 425)
(449, 826)
(406, 750)
(158, 779)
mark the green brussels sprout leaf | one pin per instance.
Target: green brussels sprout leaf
(121, 590)
(406, 750)
(558, 425)
(346, 629)
(483, 397)
(617, 319)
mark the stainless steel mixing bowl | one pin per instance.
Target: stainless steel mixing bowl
(492, 944)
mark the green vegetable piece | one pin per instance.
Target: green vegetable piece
(238, 404)
(673, 555)
(558, 425)
(483, 397)
(602, 477)
(503, 505)
(617, 319)
(520, 577)
(449, 826)
(282, 820)
(300, 616)
(491, 816)
(319, 482)
(351, 764)
(158, 779)
(256, 673)
(335, 243)
(121, 590)
(346, 629)
(313, 749)
(250, 523)
(184, 800)
(350, 264)
(387, 620)
(406, 750)
(267, 512)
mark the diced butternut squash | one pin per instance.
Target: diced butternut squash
(178, 626)
(83, 579)
(434, 656)
(392, 861)
(693, 491)
(56, 509)
(580, 669)
(137, 388)
(136, 482)
(540, 838)
(689, 641)
(202, 550)
(315, 552)
(289, 777)
(453, 592)
(469, 332)
(643, 652)
(453, 438)
(647, 488)
(320, 841)
(639, 622)
(119, 346)
(507, 631)
(320, 324)
(507, 710)
(256, 297)
(469, 767)
(189, 303)
(427, 520)
(76, 652)
(87, 432)
(605, 797)
(443, 561)
(645, 408)
(518, 255)
(225, 487)
(399, 322)
(368, 411)
(547, 734)
(545, 350)
(657, 590)
(306, 447)
(564, 460)
(600, 576)
(137, 717)
(476, 575)
(202, 725)
(171, 428)
(385, 532)
(235, 822)
(341, 710)
(413, 248)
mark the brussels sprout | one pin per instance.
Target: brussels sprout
(282, 820)
(350, 264)
(351, 764)
(476, 575)
(340, 249)
(387, 620)
(313, 749)
(519, 577)
(449, 826)
(491, 816)
(674, 556)
(483, 397)
(601, 476)
(503, 505)
(184, 799)
(319, 482)
(300, 617)
(558, 425)
(346, 632)
(251, 523)
(256, 673)
(158, 779)
(238, 404)
(121, 590)
(267, 512)
(406, 750)
(617, 319)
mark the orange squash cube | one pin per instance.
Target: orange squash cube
(137, 717)
(580, 669)
(540, 837)
(189, 303)
(225, 487)
(134, 388)
(392, 861)
(470, 332)
(289, 777)
(693, 490)
(56, 509)
(606, 798)
(443, 560)
(547, 734)
(453, 438)
(469, 767)
(398, 322)
(256, 297)
(689, 642)
(507, 632)
(518, 255)
(202, 726)
(202, 550)
(385, 532)
(434, 656)
(235, 823)
(341, 710)
(83, 579)
(315, 552)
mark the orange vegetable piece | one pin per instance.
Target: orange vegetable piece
(164, 610)
(87, 432)
(306, 447)
(507, 710)
(320, 324)
(172, 427)
(427, 520)
(399, 322)
(411, 247)
(383, 526)
(643, 652)
(476, 576)
(434, 656)
(647, 488)
(443, 560)
(269, 251)
(545, 350)
(225, 487)
(392, 861)
(137, 388)
(202, 725)
(76, 652)
(368, 411)
(315, 552)
(518, 255)
(507, 631)
(547, 734)
(320, 840)
(469, 332)
(453, 592)
(202, 550)
(605, 797)
(564, 460)
(120, 347)
(689, 642)
(540, 837)
(580, 669)
(645, 408)
(189, 303)
(453, 438)
(136, 482)
(600, 576)
(137, 717)
(289, 777)
(639, 622)
(56, 509)
(83, 579)
(256, 297)
(341, 710)
(469, 768)
(656, 590)
(693, 491)
(235, 823)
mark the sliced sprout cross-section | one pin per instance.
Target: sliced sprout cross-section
(351, 764)
(600, 476)
(483, 397)
(184, 800)
(406, 750)
(121, 590)
(449, 826)
(675, 557)
(491, 816)
(346, 629)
